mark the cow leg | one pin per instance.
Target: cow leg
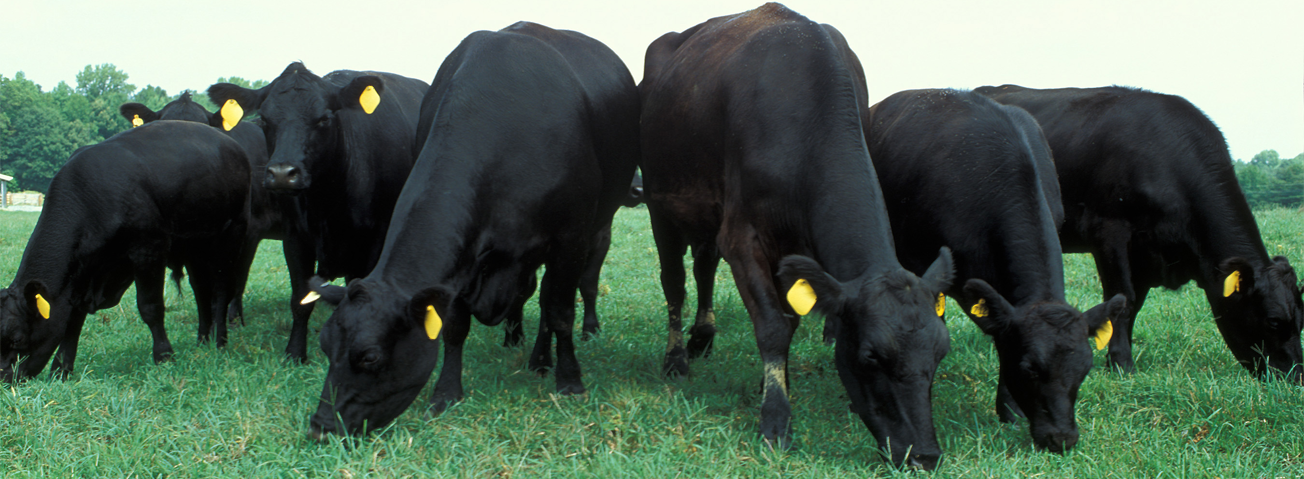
(62, 366)
(299, 260)
(541, 356)
(773, 329)
(150, 303)
(235, 309)
(1115, 270)
(1006, 409)
(670, 253)
(202, 283)
(706, 258)
(557, 311)
(448, 388)
(513, 330)
(589, 283)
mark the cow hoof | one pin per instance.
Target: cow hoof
(163, 355)
(572, 390)
(675, 366)
(439, 405)
(590, 333)
(541, 365)
(510, 341)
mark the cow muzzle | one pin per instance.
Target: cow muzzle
(286, 178)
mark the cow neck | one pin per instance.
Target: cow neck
(848, 223)
(1224, 227)
(64, 243)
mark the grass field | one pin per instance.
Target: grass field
(1190, 411)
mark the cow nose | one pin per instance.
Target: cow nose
(925, 462)
(284, 177)
(1059, 442)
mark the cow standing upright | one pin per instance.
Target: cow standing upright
(753, 147)
(1149, 190)
(271, 216)
(171, 193)
(344, 143)
(529, 140)
(960, 170)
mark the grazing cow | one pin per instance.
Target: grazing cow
(1150, 192)
(960, 170)
(753, 147)
(529, 142)
(270, 217)
(344, 141)
(171, 193)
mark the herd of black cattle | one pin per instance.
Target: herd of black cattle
(756, 144)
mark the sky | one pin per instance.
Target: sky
(1242, 63)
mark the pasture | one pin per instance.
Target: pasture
(1190, 411)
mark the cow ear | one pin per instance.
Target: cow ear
(363, 92)
(319, 288)
(990, 311)
(37, 297)
(232, 101)
(805, 286)
(1237, 277)
(429, 307)
(137, 113)
(941, 273)
(1100, 320)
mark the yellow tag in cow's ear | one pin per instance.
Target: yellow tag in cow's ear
(231, 114)
(43, 307)
(941, 304)
(369, 99)
(1103, 334)
(433, 323)
(1232, 284)
(801, 297)
(979, 309)
(136, 121)
(310, 297)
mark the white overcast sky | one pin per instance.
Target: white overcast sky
(1242, 62)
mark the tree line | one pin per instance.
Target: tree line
(1268, 180)
(40, 130)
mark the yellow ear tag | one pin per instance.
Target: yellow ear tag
(801, 297)
(1103, 334)
(941, 304)
(136, 121)
(1232, 284)
(433, 323)
(231, 114)
(43, 307)
(310, 297)
(979, 309)
(369, 99)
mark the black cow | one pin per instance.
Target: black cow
(271, 216)
(960, 170)
(171, 193)
(529, 142)
(347, 155)
(753, 147)
(1150, 192)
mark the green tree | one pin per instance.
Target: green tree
(106, 88)
(153, 97)
(1266, 159)
(37, 138)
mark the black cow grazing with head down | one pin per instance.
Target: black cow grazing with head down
(529, 142)
(1150, 192)
(960, 170)
(752, 144)
(170, 193)
(345, 142)
(270, 217)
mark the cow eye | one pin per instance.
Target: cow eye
(370, 360)
(1030, 371)
(323, 122)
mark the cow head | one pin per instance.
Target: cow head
(381, 348)
(28, 335)
(182, 109)
(301, 116)
(890, 340)
(1260, 313)
(1045, 355)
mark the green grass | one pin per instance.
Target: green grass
(1190, 411)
